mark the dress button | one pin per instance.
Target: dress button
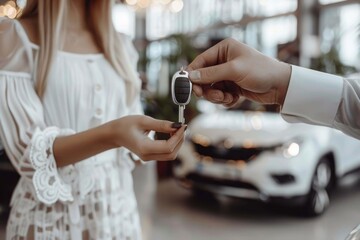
(98, 87)
(98, 111)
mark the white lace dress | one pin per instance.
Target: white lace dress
(92, 199)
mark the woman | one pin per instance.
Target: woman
(68, 95)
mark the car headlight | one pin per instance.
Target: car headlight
(201, 140)
(291, 148)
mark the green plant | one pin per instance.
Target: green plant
(330, 62)
(183, 52)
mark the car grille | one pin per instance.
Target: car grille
(219, 153)
(196, 178)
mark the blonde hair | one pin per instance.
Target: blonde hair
(50, 21)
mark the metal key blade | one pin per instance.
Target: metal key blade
(181, 114)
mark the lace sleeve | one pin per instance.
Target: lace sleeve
(49, 187)
(28, 142)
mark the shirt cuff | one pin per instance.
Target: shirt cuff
(312, 95)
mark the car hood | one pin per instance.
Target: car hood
(258, 128)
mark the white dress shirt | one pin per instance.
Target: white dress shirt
(323, 99)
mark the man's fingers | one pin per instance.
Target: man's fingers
(213, 74)
(214, 95)
(233, 102)
(205, 59)
(218, 96)
(228, 98)
(197, 90)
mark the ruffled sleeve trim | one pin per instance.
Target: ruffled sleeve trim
(48, 184)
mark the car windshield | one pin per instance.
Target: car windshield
(247, 105)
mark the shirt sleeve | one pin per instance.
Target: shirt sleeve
(347, 118)
(323, 99)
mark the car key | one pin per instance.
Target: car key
(181, 88)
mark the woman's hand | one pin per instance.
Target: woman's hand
(132, 132)
(230, 69)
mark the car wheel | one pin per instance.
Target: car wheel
(318, 197)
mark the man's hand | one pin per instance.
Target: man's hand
(230, 70)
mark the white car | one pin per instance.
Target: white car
(257, 155)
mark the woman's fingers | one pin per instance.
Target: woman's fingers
(165, 156)
(150, 146)
(149, 123)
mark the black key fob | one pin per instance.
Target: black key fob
(181, 88)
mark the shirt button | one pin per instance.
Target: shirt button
(98, 111)
(90, 61)
(98, 87)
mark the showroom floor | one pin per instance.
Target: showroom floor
(170, 212)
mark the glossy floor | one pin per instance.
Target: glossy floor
(170, 212)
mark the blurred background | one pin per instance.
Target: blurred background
(242, 173)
